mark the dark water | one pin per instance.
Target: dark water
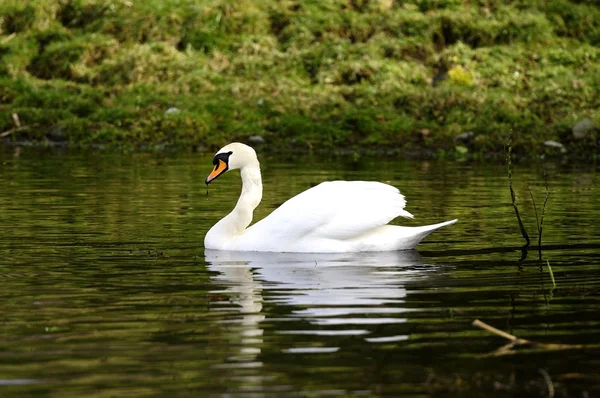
(106, 290)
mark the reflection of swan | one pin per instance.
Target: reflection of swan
(336, 216)
(327, 285)
(332, 295)
(245, 294)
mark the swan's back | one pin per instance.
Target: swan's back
(329, 212)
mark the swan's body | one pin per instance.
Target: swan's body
(335, 216)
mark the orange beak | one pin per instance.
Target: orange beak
(219, 169)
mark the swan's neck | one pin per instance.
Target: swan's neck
(241, 216)
(236, 222)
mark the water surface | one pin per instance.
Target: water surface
(107, 289)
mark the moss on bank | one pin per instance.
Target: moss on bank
(338, 73)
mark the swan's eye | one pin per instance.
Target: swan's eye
(222, 156)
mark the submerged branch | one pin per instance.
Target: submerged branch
(493, 330)
(515, 341)
(13, 130)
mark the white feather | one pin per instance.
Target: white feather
(335, 216)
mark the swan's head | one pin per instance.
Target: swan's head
(231, 157)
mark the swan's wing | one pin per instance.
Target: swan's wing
(334, 210)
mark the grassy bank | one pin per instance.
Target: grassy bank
(391, 74)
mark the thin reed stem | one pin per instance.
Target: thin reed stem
(512, 191)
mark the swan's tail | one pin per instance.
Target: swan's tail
(414, 235)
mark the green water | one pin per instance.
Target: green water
(106, 290)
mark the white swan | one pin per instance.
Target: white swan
(333, 217)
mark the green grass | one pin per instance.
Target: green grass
(313, 74)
